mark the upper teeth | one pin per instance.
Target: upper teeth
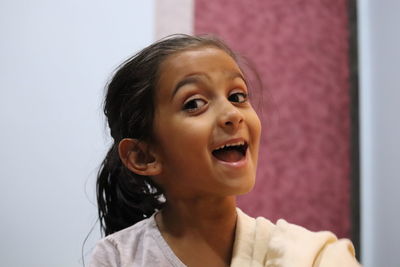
(240, 143)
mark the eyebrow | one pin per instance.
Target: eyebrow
(235, 74)
(194, 79)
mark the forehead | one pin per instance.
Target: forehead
(195, 61)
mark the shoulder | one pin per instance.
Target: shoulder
(118, 247)
(289, 241)
(285, 244)
(286, 235)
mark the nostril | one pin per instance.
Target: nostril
(231, 118)
(231, 123)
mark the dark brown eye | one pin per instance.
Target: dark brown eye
(194, 104)
(238, 97)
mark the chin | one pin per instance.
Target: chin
(244, 188)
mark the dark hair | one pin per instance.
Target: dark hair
(125, 198)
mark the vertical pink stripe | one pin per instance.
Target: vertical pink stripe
(300, 50)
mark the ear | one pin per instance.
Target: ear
(137, 157)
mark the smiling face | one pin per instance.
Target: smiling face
(206, 131)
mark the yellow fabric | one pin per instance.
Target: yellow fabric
(259, 243)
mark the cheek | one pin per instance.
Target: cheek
(180, 139)
(255, 125)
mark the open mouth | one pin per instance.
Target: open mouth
(231, 152)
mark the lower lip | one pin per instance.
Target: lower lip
(234, 164)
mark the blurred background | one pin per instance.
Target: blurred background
(330, 150)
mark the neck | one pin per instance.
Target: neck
(208, 221)
(200, 213)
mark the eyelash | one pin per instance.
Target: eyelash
(187, 104)
(242, 94)
(234, 97)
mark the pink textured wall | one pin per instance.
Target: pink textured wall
(300, 50)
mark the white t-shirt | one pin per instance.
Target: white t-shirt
(137, 245)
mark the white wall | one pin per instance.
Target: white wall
(55, 57)
(379, 46)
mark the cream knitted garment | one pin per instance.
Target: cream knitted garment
(260, 243)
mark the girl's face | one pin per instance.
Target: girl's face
(206, 131)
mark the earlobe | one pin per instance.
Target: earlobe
(138, 158)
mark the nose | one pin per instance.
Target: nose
(230, 118)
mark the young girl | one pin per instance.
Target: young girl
(186, 144)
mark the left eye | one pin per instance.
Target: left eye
(194, 104)
(238, 97)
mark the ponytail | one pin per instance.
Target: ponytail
(124, 198)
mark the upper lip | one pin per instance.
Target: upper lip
(231, 142)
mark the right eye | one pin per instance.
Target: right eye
(194, 104)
